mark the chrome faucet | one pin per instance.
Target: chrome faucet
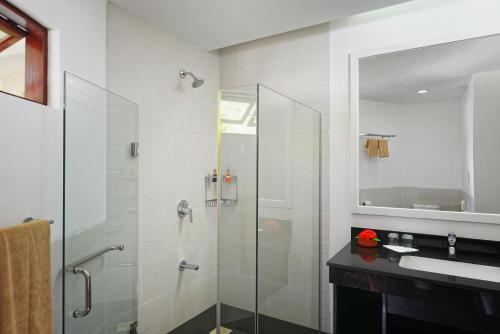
(452, 239)
(184, 210)
(184, 265)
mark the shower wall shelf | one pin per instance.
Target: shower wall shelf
(229, 191)
(212, 203)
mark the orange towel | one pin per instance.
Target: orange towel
(25, 279)
(371, 146)
(383, 148)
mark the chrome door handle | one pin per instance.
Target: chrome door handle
(76, 268)
(88, 293)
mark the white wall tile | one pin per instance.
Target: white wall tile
(178, 146)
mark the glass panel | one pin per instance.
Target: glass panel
(288, 214)
(237, 233)
(261, 128)
(100, 207)
(12, 63)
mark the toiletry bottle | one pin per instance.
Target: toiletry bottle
(214, 176)
(228, 178)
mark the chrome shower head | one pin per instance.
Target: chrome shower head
(197, 82)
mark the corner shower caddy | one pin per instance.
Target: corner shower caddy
(229, 191)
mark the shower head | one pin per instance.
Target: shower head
(197, 82)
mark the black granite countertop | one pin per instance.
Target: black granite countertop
(382, 261)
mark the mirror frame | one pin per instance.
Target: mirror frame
(354, 59)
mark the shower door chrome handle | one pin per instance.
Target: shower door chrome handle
(88, 293)
(76, 268)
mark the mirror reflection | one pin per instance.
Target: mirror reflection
(429, 122)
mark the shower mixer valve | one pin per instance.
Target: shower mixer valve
(183, 209)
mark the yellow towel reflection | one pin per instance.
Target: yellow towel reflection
(371, 146)
(383, 148)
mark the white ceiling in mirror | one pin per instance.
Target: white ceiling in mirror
(214, 24)
(444, 71)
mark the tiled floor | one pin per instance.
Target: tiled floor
(240, 322)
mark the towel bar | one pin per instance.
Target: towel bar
(381, 135)
(28, 219)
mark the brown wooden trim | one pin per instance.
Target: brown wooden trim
(36, 53)
(36, 64)
(8, 41)
(11, 29)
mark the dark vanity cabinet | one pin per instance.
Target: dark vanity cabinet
(374, 295)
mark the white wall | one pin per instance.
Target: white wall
(77, 44)
(294, 64)
(178, 147)
(32, 133)
(426, 152)
(486, 136)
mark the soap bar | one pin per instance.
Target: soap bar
(401, 249)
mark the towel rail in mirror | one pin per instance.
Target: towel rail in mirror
(30, 219)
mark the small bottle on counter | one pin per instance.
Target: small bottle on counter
(393, 239)
(214, 176)
(228, 178)
(407, 240)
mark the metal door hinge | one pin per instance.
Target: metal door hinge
(134, 149)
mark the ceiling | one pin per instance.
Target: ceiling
(214, 24)
(445, 70)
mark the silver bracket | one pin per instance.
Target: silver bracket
(134, 149)
(133, 327)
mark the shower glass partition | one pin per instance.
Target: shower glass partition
(100, 210)
(269, 239)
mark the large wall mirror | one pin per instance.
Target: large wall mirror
(426, 130)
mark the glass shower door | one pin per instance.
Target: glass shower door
(269, 238)
(100, 210)
(237, 289)
(288, 215)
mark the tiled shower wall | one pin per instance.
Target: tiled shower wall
(295, 64)
(178, 147)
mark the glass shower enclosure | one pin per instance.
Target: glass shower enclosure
(269, 236)
(266, 193)
(100, 210)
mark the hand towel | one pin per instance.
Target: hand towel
(372, 146)
(25, 279)
(383, 148)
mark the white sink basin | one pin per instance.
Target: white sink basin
(460, 269)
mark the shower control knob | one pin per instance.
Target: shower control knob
(183, 210)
